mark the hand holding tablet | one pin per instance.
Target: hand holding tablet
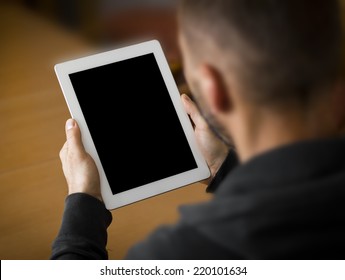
(132, 121)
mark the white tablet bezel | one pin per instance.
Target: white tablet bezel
(111, 201)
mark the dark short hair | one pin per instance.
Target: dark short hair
(286, 48)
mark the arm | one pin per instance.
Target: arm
(83, 232)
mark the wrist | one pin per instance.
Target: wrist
(229, 163)
(216, 165)
(92, 191)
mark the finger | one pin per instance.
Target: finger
(73, 135)
(193, 111)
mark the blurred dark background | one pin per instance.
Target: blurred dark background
(104, 22)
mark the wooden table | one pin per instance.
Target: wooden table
(32, 117)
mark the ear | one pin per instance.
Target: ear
(214, 90)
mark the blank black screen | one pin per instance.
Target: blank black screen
(133, 122)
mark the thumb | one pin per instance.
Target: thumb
(73, 136)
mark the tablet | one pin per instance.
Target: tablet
(132, 121)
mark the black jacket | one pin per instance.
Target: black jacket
(288, 203)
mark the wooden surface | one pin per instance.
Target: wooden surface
(32, 117)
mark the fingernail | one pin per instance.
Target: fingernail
(69, 124)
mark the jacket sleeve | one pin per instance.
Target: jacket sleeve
(83, 232)
(230, 162)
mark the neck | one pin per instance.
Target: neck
(265, 129)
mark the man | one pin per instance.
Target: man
(266, 77)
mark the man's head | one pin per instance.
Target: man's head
(268, 54)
